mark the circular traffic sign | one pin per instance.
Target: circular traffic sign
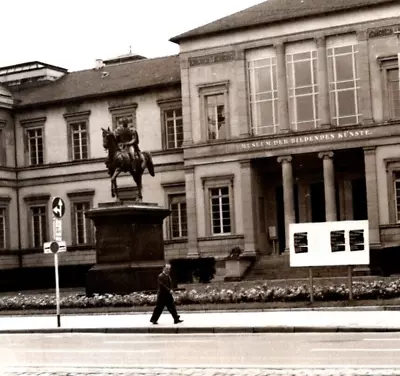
(54, 247)
(58, 207)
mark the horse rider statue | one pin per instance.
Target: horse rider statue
(128, 140)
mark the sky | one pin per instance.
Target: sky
(74, 33)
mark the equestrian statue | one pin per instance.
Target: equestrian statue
(124, 155)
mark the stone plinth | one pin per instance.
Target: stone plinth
(129, 247)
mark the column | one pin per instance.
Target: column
(186, 104)
(248, 213)
(372, 195)
(288, 196)
(323, 85)
(329, 185)
(190, 188)
(283, 106)
(365, 98)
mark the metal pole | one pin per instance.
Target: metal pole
(57, 290)
(311, 285)
(350, 278)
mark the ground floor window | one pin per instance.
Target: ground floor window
(38, 225)
(220, 210)
(178, 218)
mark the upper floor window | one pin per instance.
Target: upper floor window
(214, 106)
(121, 111)
(178, 217)
(263, 96)
(34, 140)
(344, 84)
(79, 141)
(171, 123)
(390, 86)
(82, 230)
(303, 89)
(78, 135)
(35, 146)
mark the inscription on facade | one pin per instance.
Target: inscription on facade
(212, 59)
(383, 31)
(306, 140)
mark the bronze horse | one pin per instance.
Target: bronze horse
(119, 161)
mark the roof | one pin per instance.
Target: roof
(136, 75)
(275, 11)
(30, 65)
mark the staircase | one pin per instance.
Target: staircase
(269, 267)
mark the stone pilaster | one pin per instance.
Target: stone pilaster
(329, 185)
(283, 106)
(365, 97)
(241, 94)
(372, 195)
(288, 194)
(323, 84)
(190, 187)
(248, 213)
(186, 103)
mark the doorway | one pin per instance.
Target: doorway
(317, 202)
(359, 194)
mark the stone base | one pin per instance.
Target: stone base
(129, 247)
(122, 278)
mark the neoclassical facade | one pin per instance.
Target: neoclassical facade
(277, 114)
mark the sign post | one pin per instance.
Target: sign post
(57, 245)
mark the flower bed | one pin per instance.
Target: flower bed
(260, 293)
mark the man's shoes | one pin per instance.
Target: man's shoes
(178, 321)
(154, 322)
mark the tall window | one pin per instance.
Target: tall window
(303, 90)
(215, 112)
(173, 127)
(35, 146)
(79, 140)
(397, 196)
(38, 225)
(344, 85)
(82, 230)
(178, 217)
(220, 210)
(2, 228)
(2, 147)
(263, 96)
(121, 111)
(393, 92)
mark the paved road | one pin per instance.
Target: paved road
(264, 354)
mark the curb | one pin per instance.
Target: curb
(209, 330)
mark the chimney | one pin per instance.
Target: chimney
(99, 64)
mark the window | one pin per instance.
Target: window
(4, 225)
(219, 205)
(78, 131)
(2, 143)
(37, 219)
(303, 90)
(122, 111)
(393, 187)
(178, 217)
(82, 228)
(220, 210)
(391, 86)
(214, 103)
(397, 196)
(34, 140)
(171, 123)
(35, 146)
(263, 96)
(343, 84)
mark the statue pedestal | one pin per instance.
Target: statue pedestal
(129, 247)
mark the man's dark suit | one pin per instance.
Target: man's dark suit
(164, 298)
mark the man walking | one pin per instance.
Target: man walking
(164, 297)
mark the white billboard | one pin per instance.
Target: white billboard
(329, 243)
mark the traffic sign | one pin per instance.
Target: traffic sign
(57, 229)
(55, 247)
(58, 207)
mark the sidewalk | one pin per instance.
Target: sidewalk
(285, 321)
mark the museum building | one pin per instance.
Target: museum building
(282, 113)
